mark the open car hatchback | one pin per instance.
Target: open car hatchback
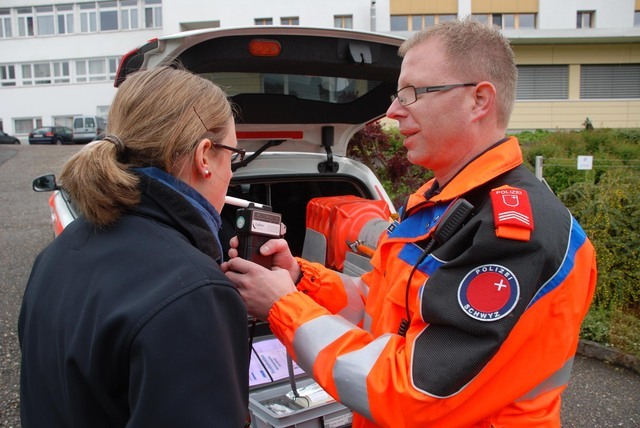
(301, 94)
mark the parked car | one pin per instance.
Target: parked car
(88, 128)
(8, 139)
(51, 135)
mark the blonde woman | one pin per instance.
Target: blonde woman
(127, 319)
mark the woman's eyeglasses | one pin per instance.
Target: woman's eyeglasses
(240, 153)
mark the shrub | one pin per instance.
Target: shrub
(608, 212)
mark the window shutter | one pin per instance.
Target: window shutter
(542, 82)
(610, 81)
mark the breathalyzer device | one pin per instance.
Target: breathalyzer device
(254, 227)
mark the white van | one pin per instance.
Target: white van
(88, 128)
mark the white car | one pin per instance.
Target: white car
(302, 93)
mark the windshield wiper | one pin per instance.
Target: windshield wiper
(246, 161)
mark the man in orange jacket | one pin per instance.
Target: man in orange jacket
(471, 314)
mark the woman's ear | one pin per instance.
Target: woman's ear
(485, 100)
(202, 159)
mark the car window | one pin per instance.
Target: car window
(78, 123)
(89, 122)
(315, 88)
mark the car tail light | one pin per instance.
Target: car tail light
(49, 134)
(264, 48)
(133, 60)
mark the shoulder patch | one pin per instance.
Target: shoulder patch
(488, 292)
(512, 213)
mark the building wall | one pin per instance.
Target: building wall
(529, 115)
(614, 40)
(51, 104)
(188, 13)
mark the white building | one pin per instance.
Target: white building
(577, 58)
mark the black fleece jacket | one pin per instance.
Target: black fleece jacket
(134, 325)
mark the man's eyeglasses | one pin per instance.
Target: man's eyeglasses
(409, 94)
(240, 153)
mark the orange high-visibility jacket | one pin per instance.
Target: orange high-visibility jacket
(495, 310)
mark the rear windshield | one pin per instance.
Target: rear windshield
(328, 89)
(87, 122)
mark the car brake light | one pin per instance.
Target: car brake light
(264, 47)
(49, 134)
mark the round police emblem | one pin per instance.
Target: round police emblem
(488, 292)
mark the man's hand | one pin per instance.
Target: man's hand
(259, 287)
(279, 248)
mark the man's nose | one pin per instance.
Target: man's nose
(395, 110)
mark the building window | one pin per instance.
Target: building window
(26, 125)
(152, 13)
(108, 15)
(585, 19)
(61, 72)
(636, 18)
(96, 70)
(88, 18)
(417, 22)
(343, 21)
(112, 66)
(25, 21)
(7, 75)
(129, 14)
(45, 21)
(63, 121)
(36, 74)
(508, 21)
(263, 21)
(598, 81)
(64, 15)
(103, 111)
(290, 20)
(399, 23)
(5, 23)
(543, 82)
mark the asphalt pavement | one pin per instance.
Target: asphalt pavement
(599, 394)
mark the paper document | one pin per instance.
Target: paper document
(269, 363)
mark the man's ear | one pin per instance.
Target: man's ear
(485, 100)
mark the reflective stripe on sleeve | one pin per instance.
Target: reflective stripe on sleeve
(350, 375)
(354, 311)
(558, 379)
(366, 325)
(315, 335)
